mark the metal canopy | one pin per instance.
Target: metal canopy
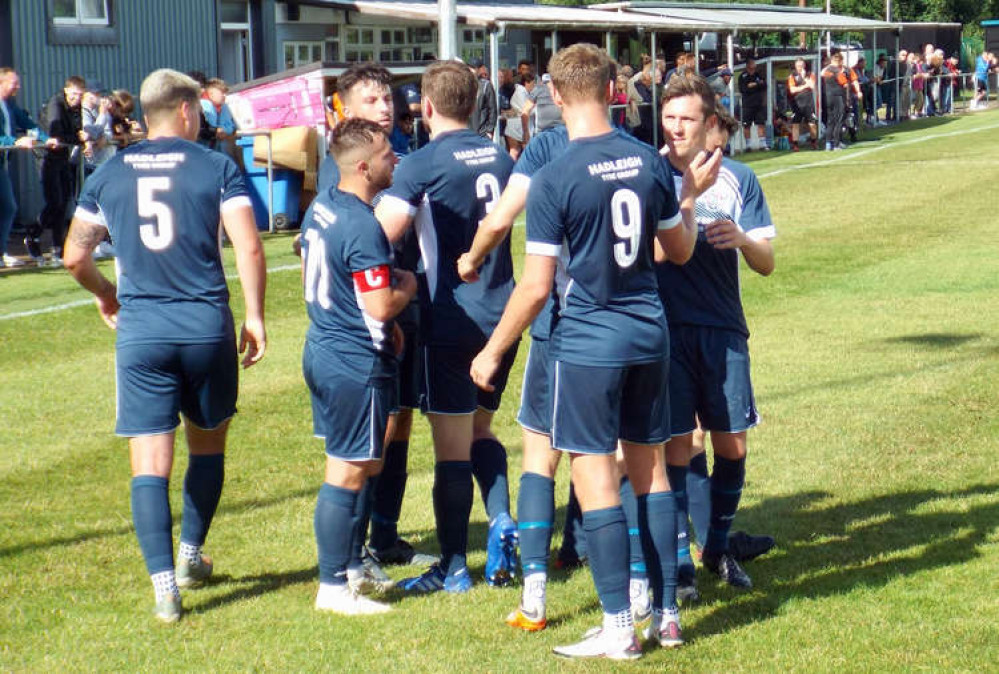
(751, 17)
(523, 16)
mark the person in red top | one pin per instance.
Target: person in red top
(801, 88)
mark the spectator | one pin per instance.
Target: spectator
(14, 121)
(524, 67)
(541, 111)
(124, 128)
(904, 72)
(719, 83)
(919, 77)
(753, 87)
(517, 133)
(884, 89)
(506, 89)
(619, 116)
(801, 88)
(97, 125)
(401, 137)
(484, 116)
(984, 64)
(64, 122)
(866, 102)
(835, 90)
(640, 104)
(218, 114)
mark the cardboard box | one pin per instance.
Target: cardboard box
(294, 147)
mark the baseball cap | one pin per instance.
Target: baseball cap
(724, 72)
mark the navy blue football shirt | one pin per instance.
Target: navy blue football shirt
(604, 199)
(705, 290)
(448, 186)
(345, 254)
(161, 201)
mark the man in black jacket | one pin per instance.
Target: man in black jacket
(63, 121)
(753, 87)
(484, 116)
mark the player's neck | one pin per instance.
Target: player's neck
(584, 120)
(441, 125)
(359, 186)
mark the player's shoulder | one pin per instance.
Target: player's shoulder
(737, 172)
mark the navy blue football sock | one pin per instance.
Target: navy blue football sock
(334, 525)
(726, 490)
(699, 497)
(359, 522)
(607, 542)
(657, 520)
(202, 490)
(636, 560)
(152, 521)
(453, 495)
(389, 489)
(489, 468)
(535, 518)
(677, 476)
(573, 535)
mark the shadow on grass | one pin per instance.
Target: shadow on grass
(254, 586)
(941, 340)
(84, 536)
(867, 543)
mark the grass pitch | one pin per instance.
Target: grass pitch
(875, 357)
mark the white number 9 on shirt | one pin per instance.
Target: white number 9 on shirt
(626, 217)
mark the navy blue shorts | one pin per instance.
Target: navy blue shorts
(594, 407)
(351, 415)
(447, 382)
(535, 401)
(158, 382)
(709, 380)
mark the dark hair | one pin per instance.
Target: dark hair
(726, 122)
(528, 77)
(198, 77)
(452, 88)
(362, 72)
(352, 134)
(680, 87)
(75, 81)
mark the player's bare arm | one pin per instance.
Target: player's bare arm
(394, 220)
(525, 304)
(386, 302)
(252, 269)
(81, 242)
(758, 253)
(493, 229)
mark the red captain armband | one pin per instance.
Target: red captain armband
(374, 278)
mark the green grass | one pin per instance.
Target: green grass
(875, 360)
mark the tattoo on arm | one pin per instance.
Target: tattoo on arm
(87, 234)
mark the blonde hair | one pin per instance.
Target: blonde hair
(581, 73)
(164, 90)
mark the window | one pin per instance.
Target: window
(80, 12)
(389, 44)
(302, 53)
(234, 11)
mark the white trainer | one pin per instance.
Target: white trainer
(617, 644)
(343, 600)
(665, 629)
(11, 261)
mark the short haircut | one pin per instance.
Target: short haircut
(217, 83)
(452, 88)
(354, 134)
(681, 87)
(164, 90)
(5, 71)
(528, 77)
(581, 72)
(726, 122)
(75, 81)
(362, 72)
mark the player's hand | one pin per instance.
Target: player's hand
(108, 307)
(24, 142)
(701, 173)
(404, 281)
(725, 234)
(398, 340)
(52, 143)
(483, 368)
(467, 269)
(252, 342)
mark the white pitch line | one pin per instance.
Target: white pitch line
(79, 303)
(870, 150)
